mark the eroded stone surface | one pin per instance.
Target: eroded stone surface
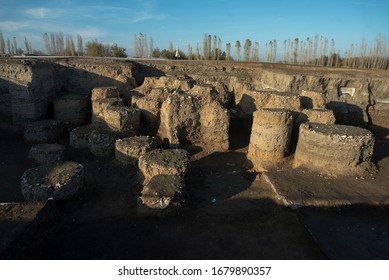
(43, 131)
(316, 115)
(163, 192)
(128, 150)
(188, 119)
(270, 136)
(334, 149)
(105, 92)
(59, 181)
(163, 162)
(72, 109)
(47, 153)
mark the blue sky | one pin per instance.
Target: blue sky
(185, 22)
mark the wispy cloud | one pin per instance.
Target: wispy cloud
(90, 32)
(44, 13)
(14, 25)
(148, 16)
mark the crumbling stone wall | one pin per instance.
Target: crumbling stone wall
(334, 149)
(192, 119)
(270, 137)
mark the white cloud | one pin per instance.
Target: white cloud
(14, 25)
(90, 32)
(147, 16)
(43, 13)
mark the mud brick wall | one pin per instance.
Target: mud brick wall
(334, 149)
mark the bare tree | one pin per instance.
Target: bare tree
(205, 46)
(214, 48)
(295, 50)
(151, 44)
(80, 45)
(247, 50)
(209, 43)
(2, 44)
(170, 47)
(314, 55)
(9, 46)
(274, 54)
(237, 49)
(70, 49)
(197, 52)
(219, 47)
(47, 44)
(27, 45)
(255, 52)
(228, 51)
(15, 45)
(53, 44)
(190, 56)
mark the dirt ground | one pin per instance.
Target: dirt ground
(231, 213)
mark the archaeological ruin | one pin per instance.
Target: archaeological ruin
(108, 140)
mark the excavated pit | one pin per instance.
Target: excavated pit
(213, 112)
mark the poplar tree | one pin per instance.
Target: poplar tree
(47, 44)
(246, 50)
(80, 45)
(205, 46)
(228, 51)
(190, 52)
(15, 45)
(214, 48)
(197, 52)
(237, 50)
(295, 50)
(2, 44)
(9, 46)
(151, 45)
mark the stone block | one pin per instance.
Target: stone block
(58, 181)
(312, 99)
(163, 192)
(316, 115)
(43, 131)
(124, 121)
(334, 149)
(72, 109)
(128, 150)
(270, 137)
(104, 92)
(163, 162)
(47, 153)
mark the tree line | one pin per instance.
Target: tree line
(317, 50)
(11, 46)
(64, 45)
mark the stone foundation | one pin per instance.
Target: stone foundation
(334, 149)
(187, 119)
(104, 92)
(312, 99)
(270, 137)
(47, 153)
(58, 181)
(316, 115)
(101, 142)
(163, 192)
(43, 131)
(72, 109)
(128, 150)
(163, 162)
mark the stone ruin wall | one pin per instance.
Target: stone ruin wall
(185, 103)
(28, 87)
